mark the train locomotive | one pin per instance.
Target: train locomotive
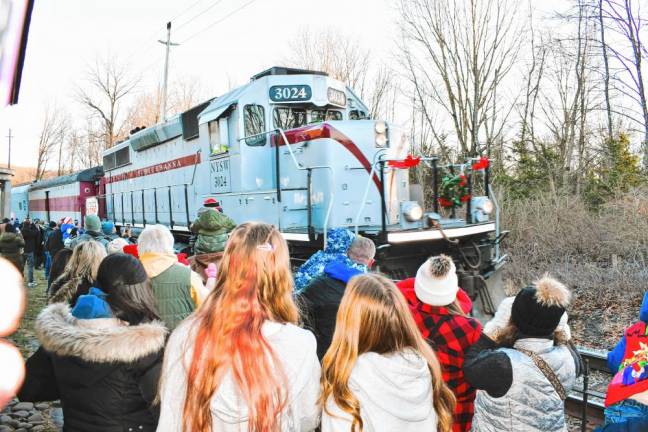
(297, 149)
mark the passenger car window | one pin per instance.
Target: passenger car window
(254, 123)
(289, 118)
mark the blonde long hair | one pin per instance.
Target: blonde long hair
(83, 265)
(254, 284)
(374, 317)
(85, 260)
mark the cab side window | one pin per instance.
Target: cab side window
(218, 139)
(254, 123)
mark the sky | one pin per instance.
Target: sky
(221, 42)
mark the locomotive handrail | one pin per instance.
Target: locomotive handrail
(379, 155)
(300, 167)
(142, 190)
(491, 195)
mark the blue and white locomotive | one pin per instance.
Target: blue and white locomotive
(296, 149)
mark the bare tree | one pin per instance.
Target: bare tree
(623, 18)
(329, 51)
(70, 146)
(606, 70)
(106, 85)
(145, 108)
(382, 95)
(534, 76)
(51, 134)
(344, 59)
(456, 55)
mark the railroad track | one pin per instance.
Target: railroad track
(584, 403)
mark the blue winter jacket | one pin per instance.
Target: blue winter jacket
(64, 230)
(615, 357)
(338, 242)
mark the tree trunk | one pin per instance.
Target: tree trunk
(636, 50)
(606, 65)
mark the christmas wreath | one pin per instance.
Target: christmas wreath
(453, 191)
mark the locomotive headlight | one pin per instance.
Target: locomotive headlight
(412, 211)
(381, 140)
(487, 207)
(380, 128)
(482, 207)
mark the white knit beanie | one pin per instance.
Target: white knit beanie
(436, 281)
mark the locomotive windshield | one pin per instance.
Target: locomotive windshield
(289, 117)
(324, 115)
(294, 117)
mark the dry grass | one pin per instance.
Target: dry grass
(600, 255)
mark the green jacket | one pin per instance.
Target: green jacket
(11, 245)
(172, 291)
(212, 228)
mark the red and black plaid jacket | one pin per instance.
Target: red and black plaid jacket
(450, 336)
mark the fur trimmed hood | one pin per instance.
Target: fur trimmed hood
(97, 340)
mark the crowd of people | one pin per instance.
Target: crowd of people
(138, 338)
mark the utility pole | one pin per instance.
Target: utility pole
(9, 156)
(168, 44)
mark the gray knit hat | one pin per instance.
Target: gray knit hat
(93, 223)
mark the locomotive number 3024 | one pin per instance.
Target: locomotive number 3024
(220, 176)
(288, 93)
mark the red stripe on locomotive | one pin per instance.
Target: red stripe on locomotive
(325, 130)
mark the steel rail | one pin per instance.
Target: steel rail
(594, 410)
(583, 403)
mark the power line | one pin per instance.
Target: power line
(153, 36)
(208, 8)
(218, 21)
(185, 11)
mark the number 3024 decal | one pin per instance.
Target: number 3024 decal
(280, 93)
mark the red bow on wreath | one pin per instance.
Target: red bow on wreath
(408, 162)
(481, 164)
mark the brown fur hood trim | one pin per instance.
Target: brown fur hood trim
(550, 292)
(98, 340)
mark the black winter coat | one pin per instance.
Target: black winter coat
(31, 234)
(319, 303)
(104, 372)
(54, 242)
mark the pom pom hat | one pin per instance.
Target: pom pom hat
(436, 281)
(537, 309)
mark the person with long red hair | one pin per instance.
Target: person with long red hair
(240, 363)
